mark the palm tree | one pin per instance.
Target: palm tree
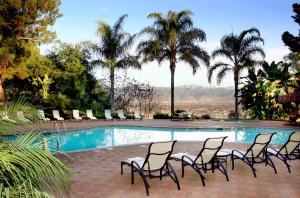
(242, 52)
(173, 38)
(27, 167)
(113, 51)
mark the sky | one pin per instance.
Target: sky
(215, 17)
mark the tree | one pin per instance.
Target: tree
(242, 51)
(113, 51)
(23, 23)
(27, 165)
(293, 42)
(173, 38)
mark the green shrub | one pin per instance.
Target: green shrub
(114, 115)
(159, 115)
(100, 115)
(231, 115)
(205, 116)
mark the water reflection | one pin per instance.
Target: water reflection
(108, 136)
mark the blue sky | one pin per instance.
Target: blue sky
(215, 17)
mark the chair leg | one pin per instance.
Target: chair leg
(122, 168)
(224, 171)
(182, 168)
(232, 162)
(200, 174)
(270, 162)
(175, 179)
(132, 176)
(147, 186)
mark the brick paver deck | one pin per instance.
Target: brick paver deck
(97, 173)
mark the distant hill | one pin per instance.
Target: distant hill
(197, 94)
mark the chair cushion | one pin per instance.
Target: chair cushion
(239, 154)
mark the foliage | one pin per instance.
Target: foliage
(114, 115)
(23, 24)
(159, 115)
(241, 52)
(27, 168)
(62, 80)
(205, 116)
(293, 42)
(231, 115)
(262, 90)
(173, 38)
(113, 50)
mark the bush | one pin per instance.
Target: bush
(100, 115)
(179, 111)
(205, 116)
(114, 115)
(231, 115)
(159, 115)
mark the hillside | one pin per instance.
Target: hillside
(197, 94)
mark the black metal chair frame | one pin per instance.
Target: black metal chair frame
(214, 163)
(165, 170)
(260, 158)
(295, 154)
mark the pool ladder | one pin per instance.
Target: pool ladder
(57, 127)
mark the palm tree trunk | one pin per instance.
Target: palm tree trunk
(112, 89)
(172, 87)
(2, 96)
(236, 90)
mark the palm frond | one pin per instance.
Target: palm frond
(214, 67)
(128, 62)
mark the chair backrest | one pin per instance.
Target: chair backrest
(76, 113)
(41, 113)
(291, 145)
(56, 114)
(210, 149)
(158, 154)
(107, 113)
(120, 113)
(89, 113)
(260, 143)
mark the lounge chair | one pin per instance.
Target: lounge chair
(256, 153)
(21, 117)
(137, 116)
(107, 114)
(76, 115)
(206, 159)
(289, 151)
(156, 161)
(42, 115)
(89, 114)
(56, 115)
(121, 114)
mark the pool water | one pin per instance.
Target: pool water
(102, 137)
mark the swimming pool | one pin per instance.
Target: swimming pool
(101, 137)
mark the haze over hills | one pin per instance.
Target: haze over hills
(197, 94)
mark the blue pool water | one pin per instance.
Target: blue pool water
(102, 137)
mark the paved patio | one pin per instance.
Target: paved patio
(97, 173)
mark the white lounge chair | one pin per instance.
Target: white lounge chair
(107, 114)
(156, 161)
(121, 114)
(289, 151)
(206, 159)
(56, 115)
(76, 115)
(89, 114)
(21, 117)
(256, 153)
(42, 115)
(137, 116)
